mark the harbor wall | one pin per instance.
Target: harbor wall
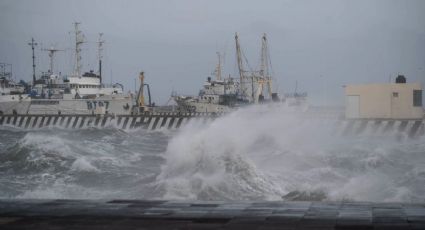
(409, 127)
(142, 121)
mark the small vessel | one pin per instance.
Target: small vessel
(296, 99)
(7, 85)
(224, 95)
(11, 93)
(217, 95)
(54, 93)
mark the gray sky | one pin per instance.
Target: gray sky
(175, 41)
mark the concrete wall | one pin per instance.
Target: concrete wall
(125, 122)
(377, 101)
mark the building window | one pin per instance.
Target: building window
(417, 98)
(395, 94)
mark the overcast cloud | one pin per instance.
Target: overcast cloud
(175, 41)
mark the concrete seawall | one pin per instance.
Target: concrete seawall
(411, 128)
(147, 121)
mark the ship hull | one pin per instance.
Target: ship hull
(17, 104)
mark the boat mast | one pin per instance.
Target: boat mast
(218, 67)
(52, 52)
(140, 97)
(99, 54)
(264, 71)
(263, 56)
(240, 65)
(79, 40)
(33, 44)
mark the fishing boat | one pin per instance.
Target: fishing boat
(227, 94)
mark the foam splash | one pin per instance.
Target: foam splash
(82, 164)
(259, 152)
(271, 153)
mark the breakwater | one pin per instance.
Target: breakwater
(148, 121)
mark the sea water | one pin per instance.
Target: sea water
(255, 153)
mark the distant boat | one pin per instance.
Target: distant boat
(227, 94)
(86, 85)
(7, 85)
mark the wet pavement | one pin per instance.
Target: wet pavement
(148, 214)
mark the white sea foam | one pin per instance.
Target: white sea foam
(265, 153)
(82, 164)
(46, 144)
(258, 152)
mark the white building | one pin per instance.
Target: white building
(384, 101)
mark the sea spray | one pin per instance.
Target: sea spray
(274, 153)
(222, 158)
(260, 152)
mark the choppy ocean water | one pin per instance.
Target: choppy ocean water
(256, 153)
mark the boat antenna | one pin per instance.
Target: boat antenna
(218, 67)
(52, 52)
(79, 40)
(99, 54)
(33, 44)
